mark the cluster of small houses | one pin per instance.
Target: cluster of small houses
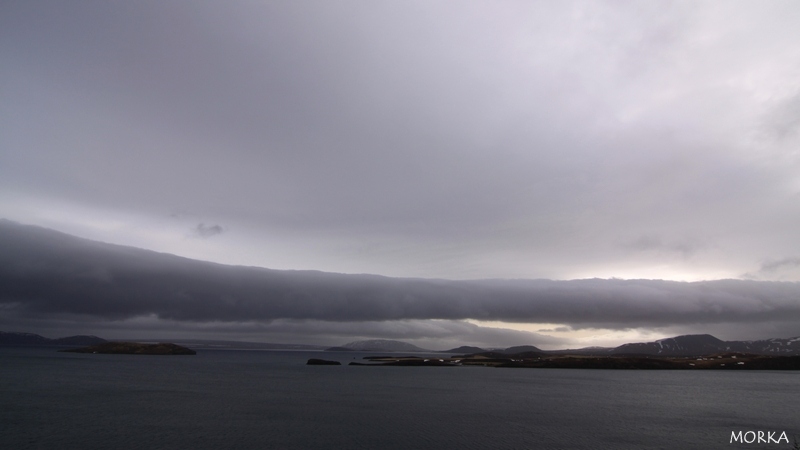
(718, 357)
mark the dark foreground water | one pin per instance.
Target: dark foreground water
(272, 400)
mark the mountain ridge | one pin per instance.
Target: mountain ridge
(702, 344)
(31, 339)
(676, 346)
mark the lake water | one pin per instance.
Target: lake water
(272, 400)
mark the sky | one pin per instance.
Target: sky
(443, 140)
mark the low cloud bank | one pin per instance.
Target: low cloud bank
(44, 274)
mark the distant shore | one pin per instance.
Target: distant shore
(729, 361)
(133, 348)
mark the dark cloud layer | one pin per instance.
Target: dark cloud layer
(45, 273)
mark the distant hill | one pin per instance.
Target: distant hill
(582, 351)
(379, 345)
(687, 345)
(705, 344)
(523, 349)
(12, 338)
(465, 349)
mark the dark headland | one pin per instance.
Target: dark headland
(133, 348)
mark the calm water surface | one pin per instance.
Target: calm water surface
(272, 400)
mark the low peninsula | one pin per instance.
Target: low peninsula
(133, 348)
(725, 361)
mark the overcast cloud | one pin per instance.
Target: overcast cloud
(458, 140)
(48, 276)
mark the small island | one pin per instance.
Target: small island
(133, 348)
(322, 362)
